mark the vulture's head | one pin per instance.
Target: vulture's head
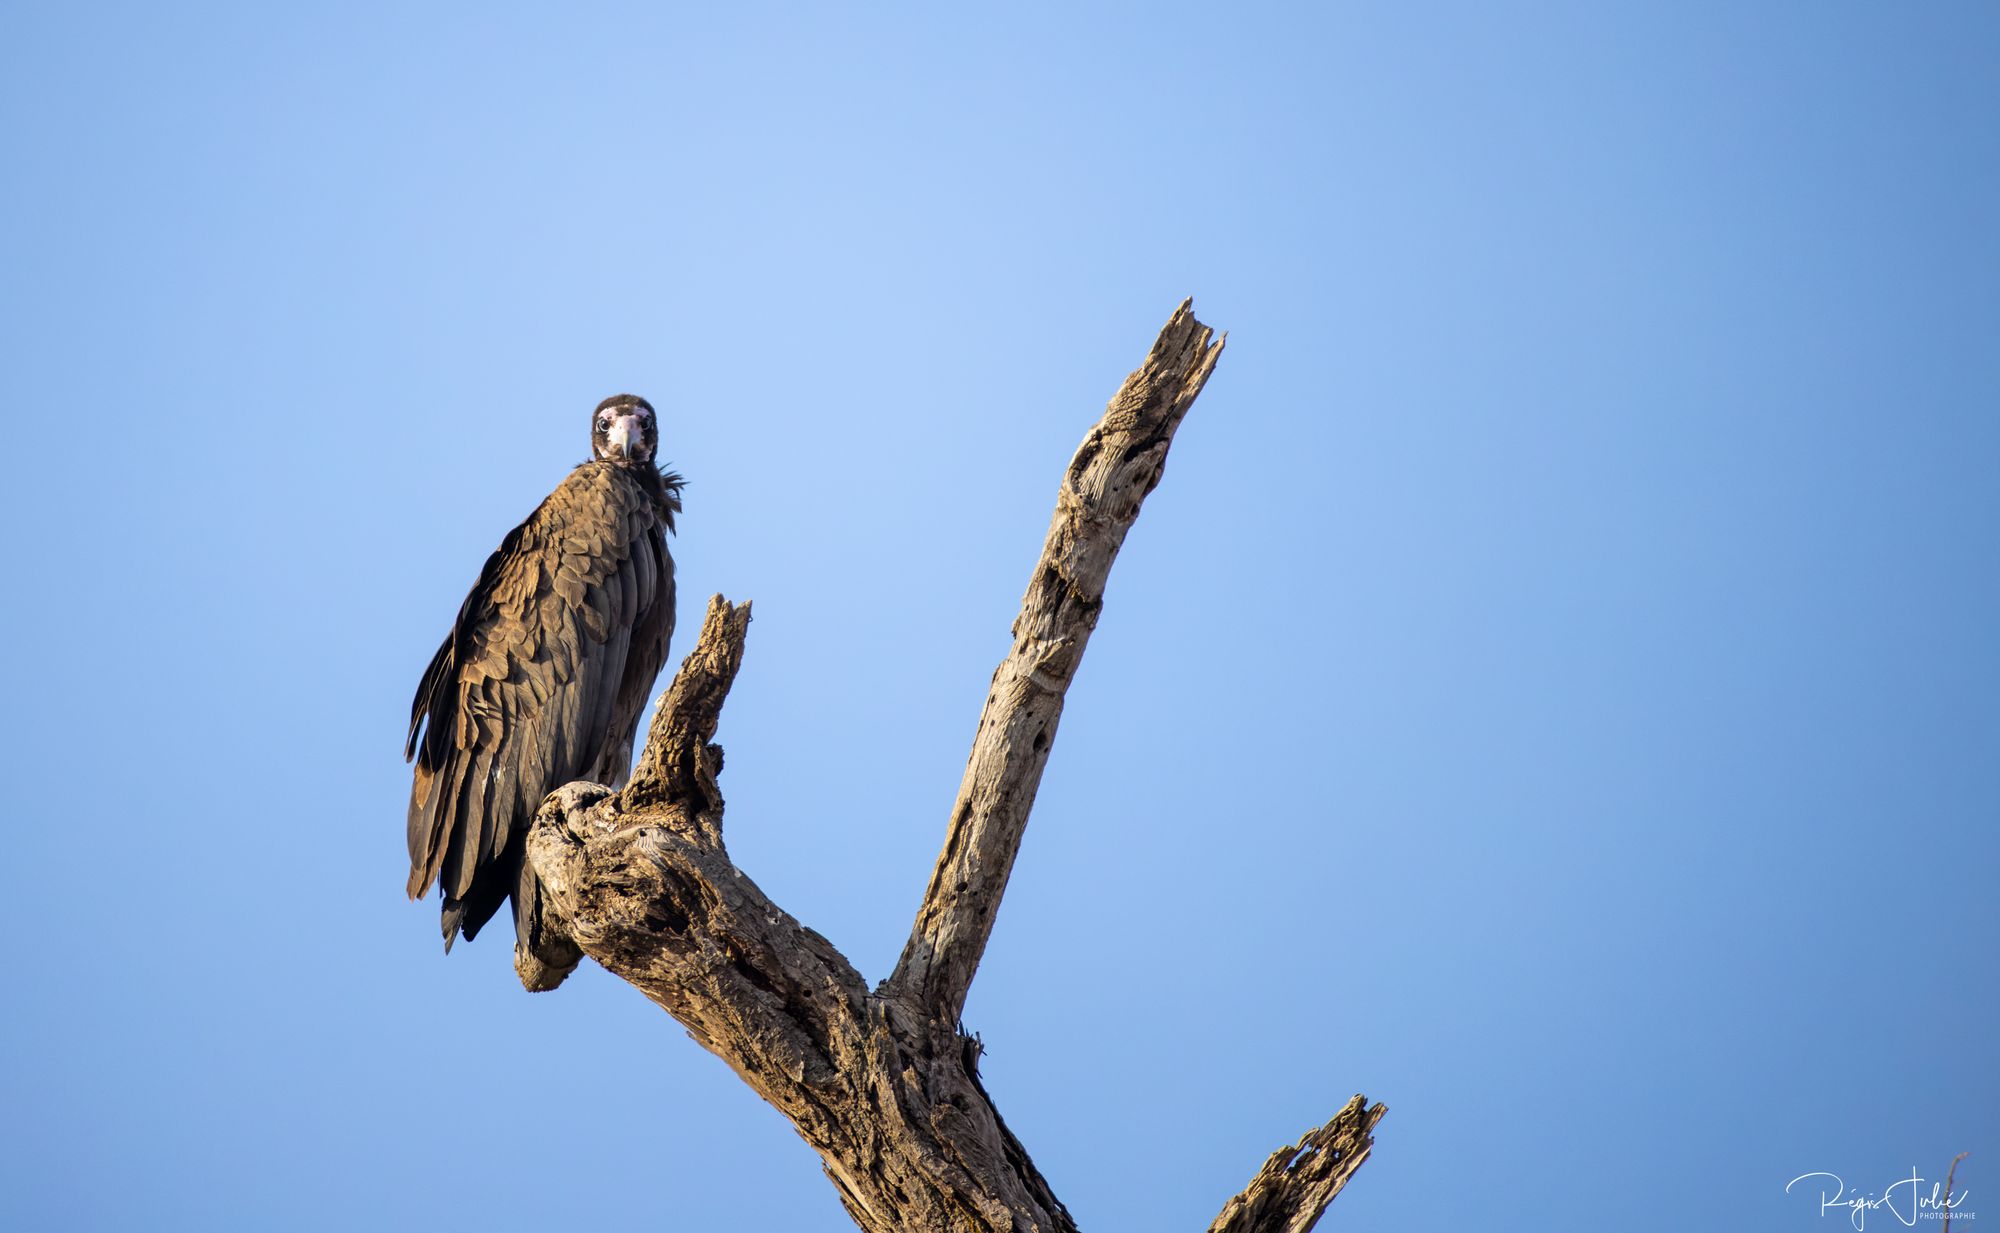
(622, 429)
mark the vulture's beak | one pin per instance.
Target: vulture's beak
(625, 435)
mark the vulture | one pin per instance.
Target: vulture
(541, 681)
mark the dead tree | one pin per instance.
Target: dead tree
(882, 1081)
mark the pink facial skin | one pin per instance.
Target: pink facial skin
(625, 435)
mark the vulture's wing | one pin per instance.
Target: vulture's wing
(527, 689)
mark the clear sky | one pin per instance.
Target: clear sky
(1555, 690)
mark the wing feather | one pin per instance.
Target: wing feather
(533, 687)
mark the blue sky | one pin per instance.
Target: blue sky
(1553, 691)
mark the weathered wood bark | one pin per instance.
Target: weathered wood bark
(881, 1082)
(1119, 463)
(1293, 1188)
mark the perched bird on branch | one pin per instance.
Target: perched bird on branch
(541, 682)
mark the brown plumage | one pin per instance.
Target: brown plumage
(543, 676)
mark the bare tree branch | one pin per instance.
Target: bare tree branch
(883, 1084)
(1118, 464)
(1293, 1188)
(891, 1101)
(1949, 1174)
(678, 761)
